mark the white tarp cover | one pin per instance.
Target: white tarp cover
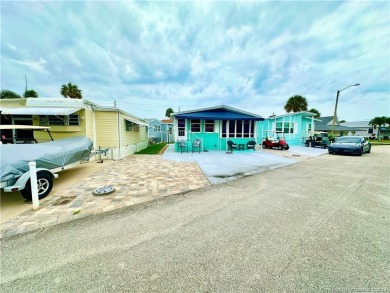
(48, 155)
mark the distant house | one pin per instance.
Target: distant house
(367, 130)
(364, 128)
(154, 129)
(326, 125)
(167, 130)
(160, 130)
(108, 127)
(294, 127)
(214, 126)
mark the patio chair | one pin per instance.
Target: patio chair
(251, 145)
(231, 145)
(196, 145)
(182, 145)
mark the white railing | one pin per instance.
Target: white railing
(191, 136)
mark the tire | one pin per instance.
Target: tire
(286, 147)
(330, 153)
(306, 145)
(45, 185)
(361, 152)
(323, 146)
(280, 147)
(369, 150)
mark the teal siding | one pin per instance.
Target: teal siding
(211, 141)
(294, 139)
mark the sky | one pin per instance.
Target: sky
(148, 56)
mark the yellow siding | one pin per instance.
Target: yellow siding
(12, 103)
(88, 115)
(106, 129)
(129, 137)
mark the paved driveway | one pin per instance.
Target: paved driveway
(318, 226)
(143, 178)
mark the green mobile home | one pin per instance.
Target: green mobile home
(214, 126)
(295, 127)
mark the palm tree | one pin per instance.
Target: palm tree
(378, 121)
(30, 94)
(315, 111)
(71, 91)
(296, 103)
(7, 94)
(168, 112)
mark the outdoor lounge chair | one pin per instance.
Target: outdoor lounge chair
(196, 145)
(251, 145)
(231, 145)
(182, 145)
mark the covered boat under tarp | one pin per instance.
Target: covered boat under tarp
(53, 155)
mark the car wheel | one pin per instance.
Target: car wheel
(361, 152)
(330, 153)
(306, 145)
(286, 147)
(369, 150)
(280, 147)
(45, 184)
(323, 146)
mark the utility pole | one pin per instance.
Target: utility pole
(335, 106)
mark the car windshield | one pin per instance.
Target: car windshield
(349, 139)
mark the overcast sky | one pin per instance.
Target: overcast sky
(252, 55)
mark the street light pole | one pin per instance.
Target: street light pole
(335, 106)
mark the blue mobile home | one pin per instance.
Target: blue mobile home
(160, 131)
(214, 126)
(295, 127)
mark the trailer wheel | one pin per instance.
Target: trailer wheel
(45, 184)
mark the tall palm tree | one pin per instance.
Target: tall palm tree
(7, 94)
(315, 111)
(71, 91)
(168, 112)
(295, 104)
(30, 94)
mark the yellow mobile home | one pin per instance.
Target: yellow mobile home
(108, 127)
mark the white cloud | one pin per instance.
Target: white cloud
(251, 55)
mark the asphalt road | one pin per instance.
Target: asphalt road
(321, 225)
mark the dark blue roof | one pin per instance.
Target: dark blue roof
(219, 114)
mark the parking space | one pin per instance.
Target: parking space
(139, 179)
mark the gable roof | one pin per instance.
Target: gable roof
(325, 125)
(325, 120)
(357, 124)
(222, 112)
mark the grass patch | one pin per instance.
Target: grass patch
(380, 142)
(153, 149)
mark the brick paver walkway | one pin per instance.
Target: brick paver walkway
(137, 179)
